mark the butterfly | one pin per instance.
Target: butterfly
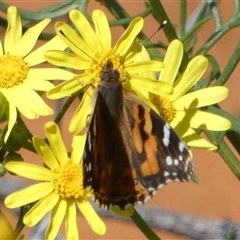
(130, 151)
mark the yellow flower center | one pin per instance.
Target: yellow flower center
(13, 70)
(164, 106)
(101, 59)
(68, 181)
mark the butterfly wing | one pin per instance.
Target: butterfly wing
(130, 150)
(107, 169)
(160, 154)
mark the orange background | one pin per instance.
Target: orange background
(218, 193)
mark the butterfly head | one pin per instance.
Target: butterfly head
(109, 74)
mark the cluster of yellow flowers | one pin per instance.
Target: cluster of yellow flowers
(59, 189)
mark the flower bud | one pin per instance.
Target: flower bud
(17, 138)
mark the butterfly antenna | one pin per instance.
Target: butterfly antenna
(60, 31)
(146, 41)
(159, 28)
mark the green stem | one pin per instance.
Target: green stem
(231, 65)
(183, 17)
(20, 225)
(45, 13)
(66, 106)
(217, 36)
(121, 15)
(227, 155)
(117, 10)
(169, 30)
(216, 14)
(162, 16)
(142, 225)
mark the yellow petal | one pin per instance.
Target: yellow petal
(83, 113)
(209, 121)
(142, 95)
(20, 95)
(181, 125)
(12, 117)
(139, 67)
(144, 56)
(102, 29)
(29, 170)
(172, 62)
(194, 71)
(197, 141)
(28, 195)
(40, 209)
(190, 137)
(134, 52)
(71, 224)
(73, 40)
(152, 86)
(201, 98)
(92, 218)
(37, 56)
(45, 153)
(38, 84)
(85, 29)
(202, 120)
(65, 59)
(69, 87)
(30, 37)
(50, 74)
(57, 217)
(78, 145)
(126, 40)
(56, 142)
(14, 30)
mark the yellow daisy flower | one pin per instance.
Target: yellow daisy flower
(92, 51)
(18, 77)
(60, 188)
(181, 108)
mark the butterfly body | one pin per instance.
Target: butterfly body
(130, 150)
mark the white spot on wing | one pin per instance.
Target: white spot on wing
(176, 162)
(166, 133)
(169, 180)
(181, 146)
(147, 198)
(89, 142)
(160, 186)
(150, 189)
(169, 160)
(89, 167)
(166, 174)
